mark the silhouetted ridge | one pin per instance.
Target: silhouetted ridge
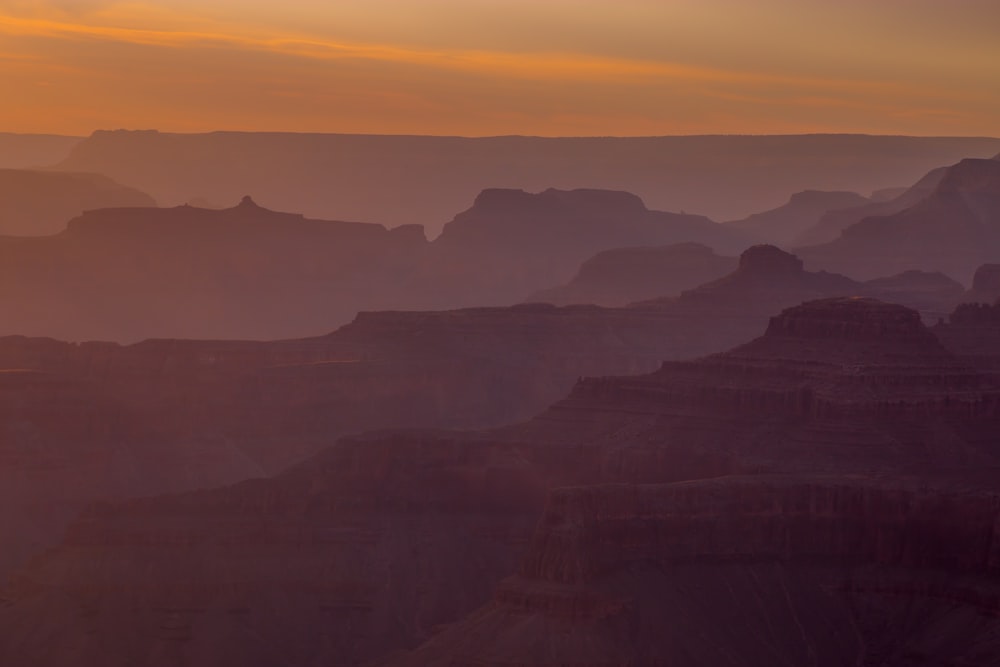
(971, 176)
(855, 318)
(832, 223)
(985, 284)
(953, 228)
(625, 275)
(769, 260)
(786, 224)
(976, 315)
(593, 201)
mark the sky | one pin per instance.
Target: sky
(484, 67)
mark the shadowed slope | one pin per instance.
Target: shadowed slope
(954, 229)
(36, 203)
(390, 535)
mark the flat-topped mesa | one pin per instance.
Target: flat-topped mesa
(853, 318)
(854, 342)
(839, 358)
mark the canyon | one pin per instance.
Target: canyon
(821, 437)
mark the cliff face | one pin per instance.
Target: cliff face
(101, 420)
(745, 571)
(383, 538)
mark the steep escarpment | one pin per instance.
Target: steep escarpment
(392, 535)
(746, 571)
(954, 229)
(102, 420)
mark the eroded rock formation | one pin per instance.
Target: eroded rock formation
(385, 537)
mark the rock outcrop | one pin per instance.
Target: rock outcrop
(102, 420)
(624, 275)
(391, 535)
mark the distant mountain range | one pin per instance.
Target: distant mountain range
(397, 180)
(131, 273)
(949, 222)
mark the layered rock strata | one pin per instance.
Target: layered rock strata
(392, 535)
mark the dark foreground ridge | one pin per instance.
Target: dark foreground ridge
(807, 534)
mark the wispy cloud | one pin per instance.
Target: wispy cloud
(529, 66)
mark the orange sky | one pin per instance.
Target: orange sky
(484, 67)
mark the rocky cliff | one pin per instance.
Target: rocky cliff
(391, 535)
(103, 420)
(746, 571)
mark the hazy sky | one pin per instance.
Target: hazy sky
(484, 67)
